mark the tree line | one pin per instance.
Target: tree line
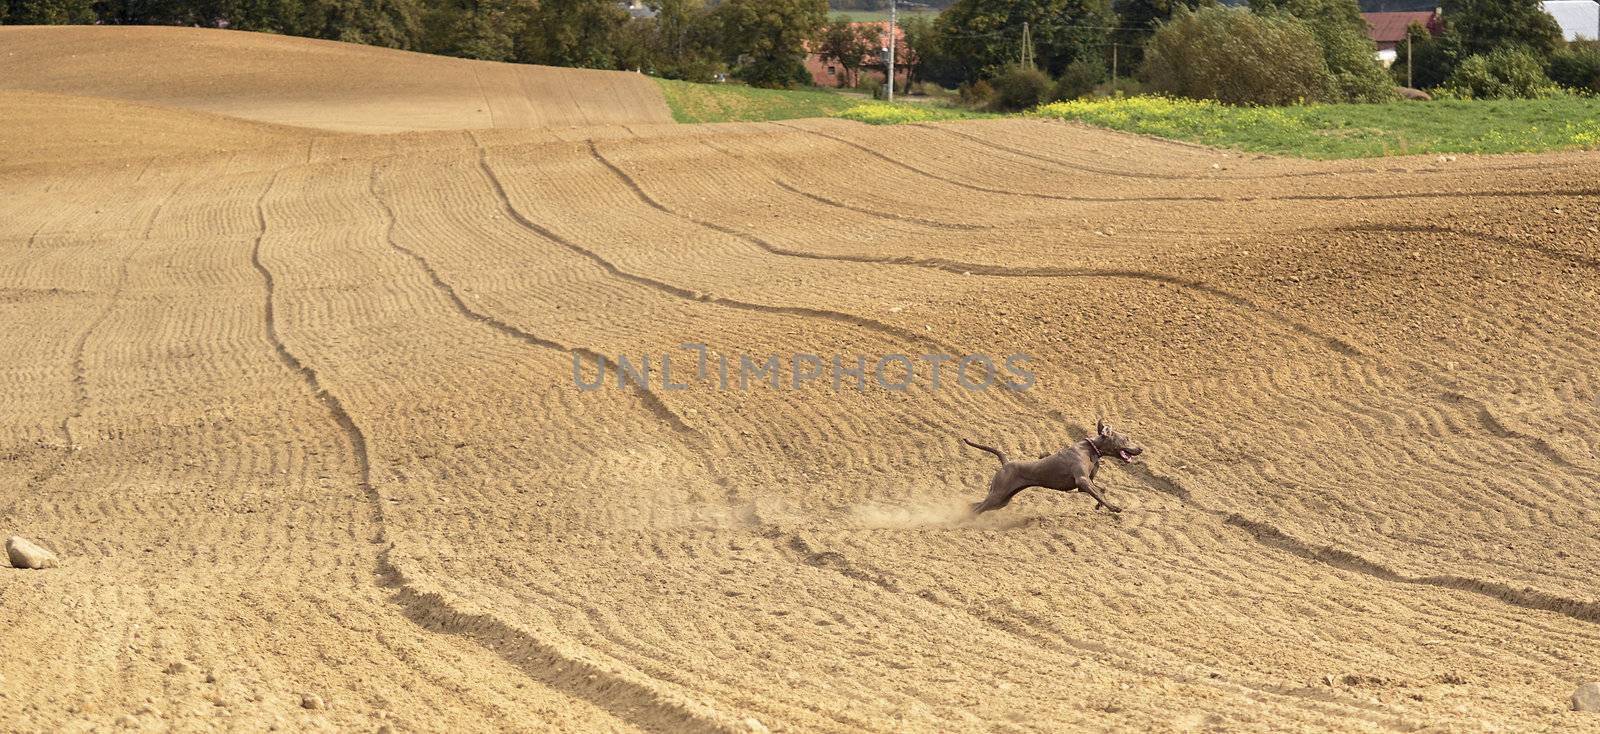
(761, 41)
(1272, 51)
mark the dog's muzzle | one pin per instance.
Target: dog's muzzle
(1127, 454)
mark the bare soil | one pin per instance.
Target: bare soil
(296, 409)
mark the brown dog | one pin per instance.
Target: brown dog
(1069, 470)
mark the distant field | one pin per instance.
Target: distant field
(694, 103)
(868, 16)
(1354, 130)
(691, 102)
(1323, 132)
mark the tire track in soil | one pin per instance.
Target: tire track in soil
(649, 399)
(1262, 533)
(960, 267)
(435, 611)
(1480, 586)
(1269, 535)
(80, 379)
(863, 322)
(789, 543)
(1540, 446)
(786, 186)
(1482, 413)
(1514, 193)
(1038, 632)
(1337, 345)
(1004, 192)
(1551, 252)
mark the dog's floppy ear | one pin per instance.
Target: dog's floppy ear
(1101, 427)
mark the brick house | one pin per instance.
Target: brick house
(828, 73)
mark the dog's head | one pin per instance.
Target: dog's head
(1109, 441)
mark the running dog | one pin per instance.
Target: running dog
(1071, 469)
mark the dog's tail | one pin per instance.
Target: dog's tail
(996, 452)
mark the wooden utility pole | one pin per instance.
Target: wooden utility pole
(1408, 59)
(893, 19)
(1113, 66)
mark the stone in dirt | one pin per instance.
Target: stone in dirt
(25, 553)
(312, 701)
(1587, 698)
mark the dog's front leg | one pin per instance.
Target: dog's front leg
(1099, 500)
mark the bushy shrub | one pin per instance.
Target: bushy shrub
(1019, 88)
(1350, 54)
(977, 95)
(1236, 56)
(1506, 73)
(1122, 86)
(774, 73)
(1577, 66)
(1079, 79)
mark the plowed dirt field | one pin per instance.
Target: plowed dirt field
(297, 409)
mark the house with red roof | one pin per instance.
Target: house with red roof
(1388, 30)
(828, 72)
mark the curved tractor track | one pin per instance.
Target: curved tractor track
(302, 419)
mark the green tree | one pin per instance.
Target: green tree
(1349, 52)
(687, 40)
(1137, 19)
(47, 12)
(267, 16)
(1577, 66)
(923, 51)
(987, 34)
(1433, 58)
(474, 29)
(392, 23)
(767, 37)
(572, 33)
(1079, 79)
(848, 45)
(1238, 57)
(1486, 25)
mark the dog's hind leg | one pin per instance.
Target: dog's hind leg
(1005, 485)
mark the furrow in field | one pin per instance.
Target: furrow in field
(974, 268)
(680, 291)
(197, 495)
(624, 697)
(571, 586)
(411, 207)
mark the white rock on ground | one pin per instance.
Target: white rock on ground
(1587, 698)
(25, 553)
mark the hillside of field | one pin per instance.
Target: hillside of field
(298, 412)
(318, 84)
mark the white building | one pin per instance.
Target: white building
(1579, 19)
